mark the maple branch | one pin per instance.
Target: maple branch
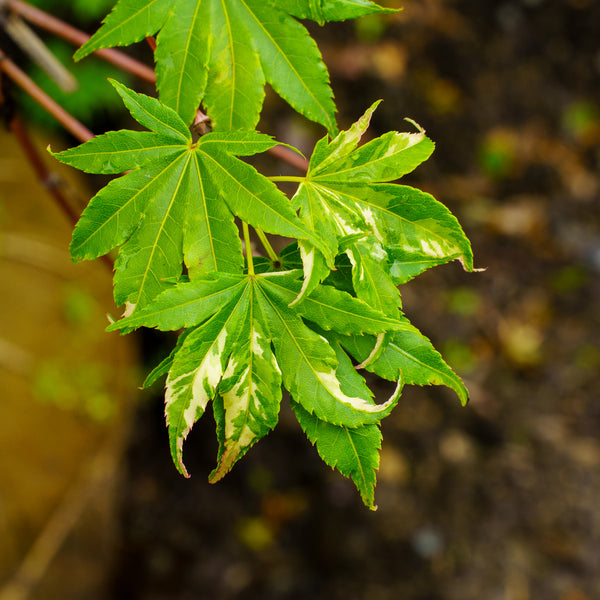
(71, 124)
(151, 42)
(290, 157)
(248, 249)
(78, 38)
(266, 245)
(48, 179)
(288, 178)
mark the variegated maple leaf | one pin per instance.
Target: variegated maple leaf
(243, 342)
(389, 232)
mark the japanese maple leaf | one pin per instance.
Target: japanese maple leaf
(408, 352)
(222, 52)
(243, 342)
(389, 232)
(176, 205)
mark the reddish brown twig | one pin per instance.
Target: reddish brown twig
(71, 124)
(290, 157)
(151, 42)
(77, 37)
(48, 179)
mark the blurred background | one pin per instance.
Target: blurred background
(496, 501)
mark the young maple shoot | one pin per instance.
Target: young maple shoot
(307, 319)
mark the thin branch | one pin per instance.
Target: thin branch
(78, 38)
(290, 157)
(266, 245)
(48, 179)
(288, 178)
(248, 247)
(151, 41)
(30, 43)
(71, 124)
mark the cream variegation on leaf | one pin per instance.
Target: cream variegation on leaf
(244, 342)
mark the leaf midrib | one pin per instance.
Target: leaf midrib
(360, 467)
(350, 315)
(155, 245)
(121, 25)
(233, 64)
(123, 206)
(292, 337)
(444, 376)
(136, 321)
(186, 54)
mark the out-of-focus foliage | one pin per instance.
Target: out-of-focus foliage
(94, 97)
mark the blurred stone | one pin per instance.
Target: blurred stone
(393, 466)
(456, 447)
(522, 342)
(427, 542)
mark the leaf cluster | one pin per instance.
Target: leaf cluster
(306, 320)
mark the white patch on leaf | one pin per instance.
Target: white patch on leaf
(344, 227)
(358, 266)
(369, 218)
(432, 248)
(129, 308)
(237, 399)
(308, 263)
(203, 384)
(332, 385)
(378, 252)
(236, 402)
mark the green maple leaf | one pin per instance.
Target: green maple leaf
(177, 204)
(245, 342)
(331, 10)
(251, 327)
(222, 52)
(409, 353)
(389, 232)
(354, 451)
